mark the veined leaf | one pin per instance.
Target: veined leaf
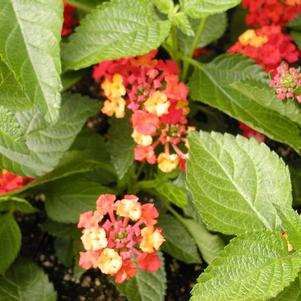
(235, 181)
(291, 293)
(201, 8)
(145, 286)
(120, 28)
(25, 281)
(10, 237)
(9, 126)
(41, 145)
(255, 266)
(179, 243)
(7, 202)
(86, 5)
(30, 33)
(230, 84)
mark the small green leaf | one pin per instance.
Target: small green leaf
(210, 245)
(11, 202)
(181, 21)
(179, 243)
(237, 86)
(200, 8)
(25, 281)
(145, 286)
(121, 146)
(30, 34)
(164, 6)
(254, 266)
(67, 198)
(116, 29)
(235, 181)
(10, 237)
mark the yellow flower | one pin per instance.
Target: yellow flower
(184, 105)
(141, 139)
(114, 88)
(152, 239)
(114, 106)
(110, 262)
(157, 104)
(94, 239)
(129, 208)
(249, 37)
(168, 163)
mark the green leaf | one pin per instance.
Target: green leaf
(179, 243)
(120, 28)
(291, 293)
(235, 181)
(64, 250)
(145, 286)
(214, 28)
(86, 5)
(291, 224)
(296, 35)
(9, 127)
(71, 78)
(210, 245)
(231, 84)
(181, 21)
(121, 145)
(295, 171)
(164, 6)
(30, 34)
(61, 230)
(201, 8)
(254, 266)
(10, 237)
(67, 198)
(25, 281)
(295, 24)
(9, 202)
(40, 146)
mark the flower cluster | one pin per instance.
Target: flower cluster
(119, 232)
(10, 181)
(268, 46)
(151, 90)
(70, 20)
(271, 12)
(287, 83)
(250, 133)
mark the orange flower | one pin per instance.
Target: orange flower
(249, 37)
(152, 239)
(114, 88)
(144, 140)
(167, 162)
(114, 106)
(110, 261)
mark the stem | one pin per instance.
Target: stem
(193, 47)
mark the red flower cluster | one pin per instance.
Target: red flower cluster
(157, 100)
(287, 83)
(10, 181)
(119, 232)
(268, 46)
(250, 133)
(271, 12)
(70, 20)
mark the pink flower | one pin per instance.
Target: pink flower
(145, 123)
(105, 203)
(145, 153)
(10, 182)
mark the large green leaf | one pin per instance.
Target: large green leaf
(10, 237)
(214, 28)
(30, 33)
(201, 8)
(120, 28)
(8, 203)
(253, 267)
(231, 84)
(179, 243)
(235, 181)
(121, 146)
(291, 293)
(40, 146)
(86, 5)
(68, 197)
(145, 286)
(25, 281)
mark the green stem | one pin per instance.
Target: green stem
(193, 47)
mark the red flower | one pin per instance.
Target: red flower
(149, 214)
(70, 21)
(10, 181)
(148, 262)
(126, 272)
(250, 133)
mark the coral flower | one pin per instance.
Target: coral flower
(152, 239)
(10, 182)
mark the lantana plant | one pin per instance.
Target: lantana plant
(143, 142)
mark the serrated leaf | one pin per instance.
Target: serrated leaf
(30, 34)
(41, 145)
(164, 6)
(179, 243)
(86, 5)
(291, 293)
(209, 244)
(120, 28)
(121, 146)
(10, 237)
(67, 198)
(25, 281)
(214, 28)
(255, 266)
(145, 286)
(235, 181)
(9, 126)
(231, 84)
(201, 8)
(181, 21)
